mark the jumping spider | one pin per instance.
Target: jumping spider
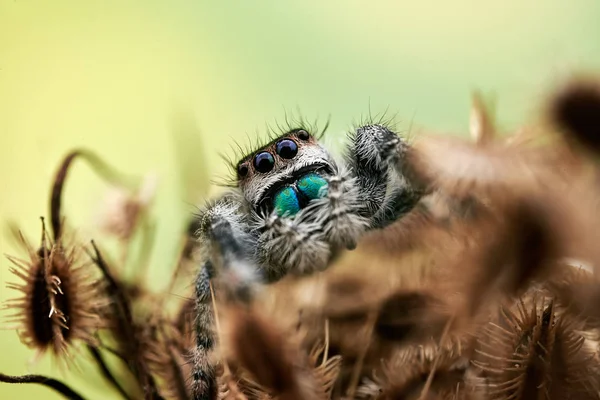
(292, 209)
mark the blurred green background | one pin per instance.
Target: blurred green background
(114, 75)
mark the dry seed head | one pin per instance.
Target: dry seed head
(533, 351)
(404, 375)
(59, 302)
(122, 209)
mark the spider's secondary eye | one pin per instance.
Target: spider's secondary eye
(242, 170)
(264, 162)
(302, 134)
(287, 148)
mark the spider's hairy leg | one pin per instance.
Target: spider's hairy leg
(203, 383)
(368, 154)
(372, 154)
(287, 245)
(226, 241)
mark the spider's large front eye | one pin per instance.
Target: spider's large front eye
(287, 149)
(264, 162)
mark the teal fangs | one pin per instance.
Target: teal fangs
(286, 202)
(312, 186)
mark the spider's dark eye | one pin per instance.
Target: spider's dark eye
(302, 134)
(287, 148)
(242, 170)
(264, 162)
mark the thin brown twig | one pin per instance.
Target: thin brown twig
(98, 165)
(51, 383)
(106, 372)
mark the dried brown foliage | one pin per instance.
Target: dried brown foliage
(473, 295)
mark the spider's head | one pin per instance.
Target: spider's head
(286, 174)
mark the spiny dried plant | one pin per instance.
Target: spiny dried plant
(61, 300)
(533, 350)
(406, 373)
(470, 296)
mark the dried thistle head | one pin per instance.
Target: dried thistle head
(535, 351)
(410, 373)
(60, 300)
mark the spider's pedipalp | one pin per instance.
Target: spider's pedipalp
(373, 153)
(370, 149)
(340, 212)
(373, 146)
(296, 246)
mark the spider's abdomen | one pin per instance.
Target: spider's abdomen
(290, 199)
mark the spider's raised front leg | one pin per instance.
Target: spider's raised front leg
(341, 212)
(227, 246)
(373, 155)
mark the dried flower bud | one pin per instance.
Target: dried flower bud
(122, 209)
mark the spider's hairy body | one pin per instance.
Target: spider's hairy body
(292, 209)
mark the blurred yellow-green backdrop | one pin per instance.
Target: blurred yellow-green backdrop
(114, 75)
